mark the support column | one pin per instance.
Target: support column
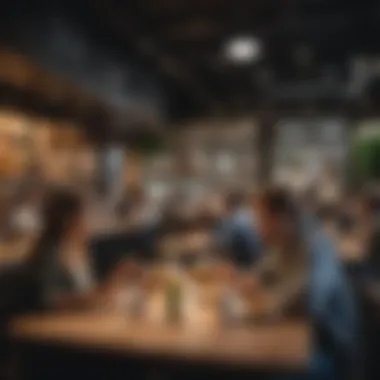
(265, 141)
(351, 173)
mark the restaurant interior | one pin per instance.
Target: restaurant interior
(189, 189)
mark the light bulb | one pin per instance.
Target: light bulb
(243, 50)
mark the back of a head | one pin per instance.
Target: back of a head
(279, 202)
(234, 200)
(59, 206)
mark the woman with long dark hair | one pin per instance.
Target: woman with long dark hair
(59, 264)
(58, 272)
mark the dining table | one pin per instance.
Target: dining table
(15, 250)
(265, 347)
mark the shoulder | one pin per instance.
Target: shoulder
(322, 249)
(243, 219)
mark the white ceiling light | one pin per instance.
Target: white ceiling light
(243, 50)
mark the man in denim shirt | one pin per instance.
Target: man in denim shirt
(332, 306)
(330, 300)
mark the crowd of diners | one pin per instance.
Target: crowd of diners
(277, 239)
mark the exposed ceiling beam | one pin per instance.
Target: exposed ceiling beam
(148, 47)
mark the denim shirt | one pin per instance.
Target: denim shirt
(238, 235)
(331, 298)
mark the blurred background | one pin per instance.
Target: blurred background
(279, 82)
(167, 118)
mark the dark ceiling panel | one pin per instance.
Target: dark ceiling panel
(180, 42)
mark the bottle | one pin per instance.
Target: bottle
(174, 296)
(231, 307)
(138, 303)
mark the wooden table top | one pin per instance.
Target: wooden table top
(15, 251)
(283, 345)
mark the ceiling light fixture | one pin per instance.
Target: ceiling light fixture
(243, 50)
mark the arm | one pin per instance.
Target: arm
(333, 302)
(287, 294)
(59, 293)
(62, 298)
(278, 284)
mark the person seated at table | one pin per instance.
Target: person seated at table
(371, 226)
(299, 273)
(309, 209)
(367, 277)
(59, 266)
(370, 235)
(236, 235)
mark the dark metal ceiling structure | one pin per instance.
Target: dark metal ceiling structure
(308, 47)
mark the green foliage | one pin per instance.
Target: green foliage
(366, 158)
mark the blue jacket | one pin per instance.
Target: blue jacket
(237, 234)
(332, 309)
(332, 303)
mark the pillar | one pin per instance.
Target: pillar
(265, 144)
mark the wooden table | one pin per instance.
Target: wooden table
(285, 346)
(15, 251)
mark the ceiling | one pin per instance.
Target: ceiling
(306, 44)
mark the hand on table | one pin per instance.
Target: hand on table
(260, 302)
(126, 271)
(248, 285)
(225, 272)
(152, 280)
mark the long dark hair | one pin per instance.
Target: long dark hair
(280, 202)
(59, 208)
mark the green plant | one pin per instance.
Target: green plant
(366, 157)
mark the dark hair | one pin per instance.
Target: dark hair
(278, 201)
(310, 195)
(234, 200)
(59, 208)
(372, 202)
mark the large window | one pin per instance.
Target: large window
(205, 157)
(304, 146)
